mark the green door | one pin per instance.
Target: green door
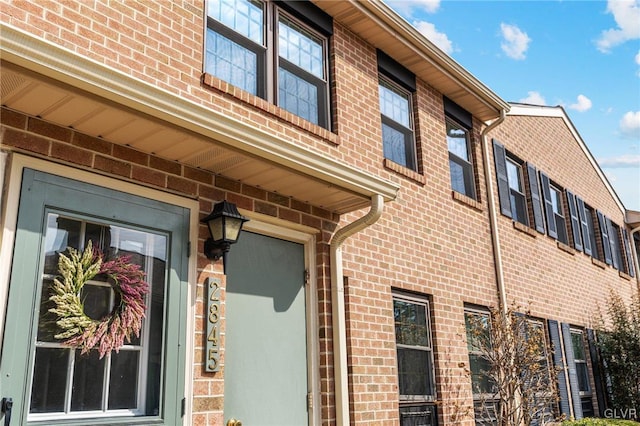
(265, 367)
(53, 384)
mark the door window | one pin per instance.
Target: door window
(66, 382)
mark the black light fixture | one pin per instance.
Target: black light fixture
(224, 223)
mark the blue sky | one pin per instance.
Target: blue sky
(583, 55)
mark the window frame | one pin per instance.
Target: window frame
(468, 168)
(269, 62)
(410, 145)
(581, 361)
(407, 400)
(517, 197)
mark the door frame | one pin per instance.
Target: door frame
(306, 236)
(9, 219)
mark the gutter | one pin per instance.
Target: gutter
(493, 219)
(338, 315)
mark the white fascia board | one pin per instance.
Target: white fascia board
(53, 61)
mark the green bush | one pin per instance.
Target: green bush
(600, 422)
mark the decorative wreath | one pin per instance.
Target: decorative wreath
(78, 330)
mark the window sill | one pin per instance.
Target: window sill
(525, 229)
(565, 248)
(599, 263)
(222, 86)
(466, 200)
(625, 276)
(411, 174)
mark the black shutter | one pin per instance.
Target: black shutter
(615, 252)
(575, 221)
(597, 373)
(536, 202)
(604, 232)
(563, 390)
(628, 253)
(573, 372)
(586, 235)
(552, 230)
(500, 157)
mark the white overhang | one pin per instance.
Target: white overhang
(45, 80)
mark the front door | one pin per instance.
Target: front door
(53, 383)
(265, 367)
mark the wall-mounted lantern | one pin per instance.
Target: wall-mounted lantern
(224, 223)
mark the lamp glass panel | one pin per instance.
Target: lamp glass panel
(233, 228)
(216, 228)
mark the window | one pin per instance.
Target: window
(580, 360)
(616, 247)
(244, 37)
(477, 329)
(516, 192)
(461, 168)
(416, 381)
(554, 209)
(397, 124)
(591, 220)
(459, 124)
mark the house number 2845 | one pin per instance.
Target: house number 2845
(212, 346)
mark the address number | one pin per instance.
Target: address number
(212, 346)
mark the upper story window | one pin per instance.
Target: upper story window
(459, 125)
(590, 234)
(616, 247)
(277, 51)
(517, 192)
(396, 87)
(554, 209)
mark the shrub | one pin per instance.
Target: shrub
(600, 422)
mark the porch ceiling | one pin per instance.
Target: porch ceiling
(126, 111)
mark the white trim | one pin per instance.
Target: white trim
(283, 230)
(559, 112)
(10, 214)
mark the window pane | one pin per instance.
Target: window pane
(123, 383)
(480, 380)
(583, 376)
(394, 145)
(49, 380)
(457, 177)
(86, 394)
(414, 372)
(578, 347)
(513, 174)
(243, 16)
(394, 104)
(60, 234)
(300, 48)
(231, 62)
(298, 96)
(457, 140)
(411, 323)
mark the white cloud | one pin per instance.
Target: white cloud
(630, 125)
(622, 161)
(583, 104)
(406, 7)
(533, 98)
(436, 37)
(626, 13)
(516, 41)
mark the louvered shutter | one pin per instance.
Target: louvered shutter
(500, 157)
(596, 368)
(536, 202)
(628, 253)
(573, 372)
(563, 390)
(613, 237)
(586, 235)
(552, 230)
(575, 221)
(604, 233)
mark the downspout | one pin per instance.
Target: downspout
(341, 378)
(493, 219)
